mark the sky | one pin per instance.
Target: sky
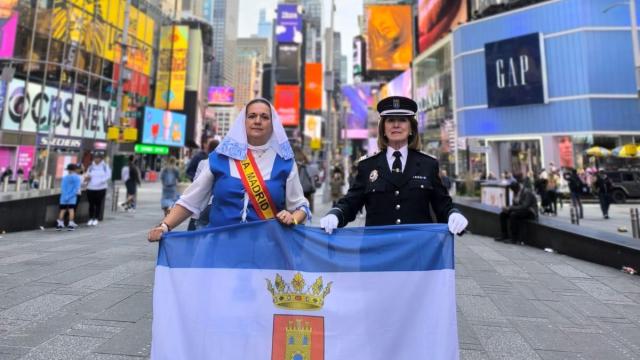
(345, 20)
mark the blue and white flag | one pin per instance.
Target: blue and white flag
(269, 292)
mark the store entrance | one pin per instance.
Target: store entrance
(519, 157)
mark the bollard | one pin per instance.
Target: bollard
(635, 223)
(114, 198)
(5, 184)
(19, 184)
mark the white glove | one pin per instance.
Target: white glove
(457, 223)
(329, 223)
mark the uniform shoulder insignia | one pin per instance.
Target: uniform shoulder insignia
(429, 155)
(365, 157)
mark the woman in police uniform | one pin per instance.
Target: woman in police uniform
(399, 183)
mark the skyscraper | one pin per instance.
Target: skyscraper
(313, 30)
(264, 26)
(251, 54)
(225, 34)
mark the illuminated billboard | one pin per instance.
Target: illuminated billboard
(389, 37)
(172, 67)
(398, 86)
(289, 23)
(33, 108)
(313, 86)
(436, 18)
(96, 26)
(287, 104)
(288, 60)
(163, 127)
(8, 27)
(220, 95)
(359, 98)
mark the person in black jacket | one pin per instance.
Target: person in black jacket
(525, 206)
(603, 187)
(399, 184)
(576, 188)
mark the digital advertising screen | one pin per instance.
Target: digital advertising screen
(163, 127)
(389, 37)
(289, 23)
(288, 60)
(220, 95)
(287, 104)
(359, 98)
(313, 86)
(436, 18)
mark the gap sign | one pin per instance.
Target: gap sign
(516, 71)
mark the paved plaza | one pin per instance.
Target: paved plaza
(87, 295)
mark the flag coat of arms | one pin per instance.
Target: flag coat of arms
(265, 291)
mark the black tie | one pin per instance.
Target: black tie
(396, 167)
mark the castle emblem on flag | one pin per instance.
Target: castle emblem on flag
(296, 296)
(298, 337)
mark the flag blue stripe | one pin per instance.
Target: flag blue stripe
(269, 245)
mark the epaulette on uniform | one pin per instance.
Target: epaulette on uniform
(429, 155)
(365, 157)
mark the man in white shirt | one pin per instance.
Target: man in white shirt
(98, 176)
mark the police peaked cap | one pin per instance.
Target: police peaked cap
(397, 105)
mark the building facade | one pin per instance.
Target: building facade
(541, 84)
(225, 34)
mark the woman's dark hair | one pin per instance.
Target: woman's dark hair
(258, 100)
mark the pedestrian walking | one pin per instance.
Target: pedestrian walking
(130, 174)
(337, 183)
(98, 176)
(202, 219)
(169, 177)
(69, 188)
(525, 206)
(603, 187)
(255, 148)
(306, 179)
(399, 184)
(576, 189)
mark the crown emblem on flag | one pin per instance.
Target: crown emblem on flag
(297, 295)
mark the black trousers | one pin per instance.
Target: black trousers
(96, 202)
(605, 202)
(509, 221)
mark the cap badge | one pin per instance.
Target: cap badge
(373, 176)
(396, 103)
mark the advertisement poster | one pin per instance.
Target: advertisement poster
(565, 151)
(287, 104)
(359, 98)
(313, 129)
(313, 86)
(436, 18)
(8, 27)
(289, 23)
(221, 95)
(172, 68)
(162, 127)
(34, 109)
(389, 39)
(25, 159)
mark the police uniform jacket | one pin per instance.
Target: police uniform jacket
(396, 198)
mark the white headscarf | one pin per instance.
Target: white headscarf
(235, 144)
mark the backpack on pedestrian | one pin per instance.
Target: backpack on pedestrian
(308, 186)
